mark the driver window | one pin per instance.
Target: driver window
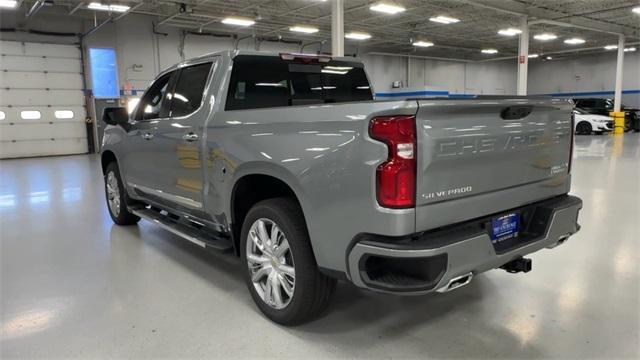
(150, 107)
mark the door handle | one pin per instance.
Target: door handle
(190, 137)
(147, 136)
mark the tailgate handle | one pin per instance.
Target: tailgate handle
(515, 112)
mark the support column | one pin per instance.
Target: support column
(337, 28)
(618, 116)
(617, 101)
(523, 57)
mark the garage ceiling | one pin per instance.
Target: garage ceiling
(596, 21)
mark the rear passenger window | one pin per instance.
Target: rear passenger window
(258, 85)
(267, 81)
(189, 89)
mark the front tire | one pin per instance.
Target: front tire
(117, 198)
(281, 272)
(584, 128)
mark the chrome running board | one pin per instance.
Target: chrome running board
(197, 235)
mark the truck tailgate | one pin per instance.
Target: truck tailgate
(485, 155)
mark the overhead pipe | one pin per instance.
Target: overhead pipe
(240, 39)
(321, 42)
(97, 27)
(565, 24)
(37, 6)
(76, 8)
(170, 17)
(568, 51)
(417, 56)
(128, 11)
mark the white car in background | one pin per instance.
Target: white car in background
(586, 123)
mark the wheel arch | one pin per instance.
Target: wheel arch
(106, 158)
(252, 188)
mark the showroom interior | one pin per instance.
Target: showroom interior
(74, 284)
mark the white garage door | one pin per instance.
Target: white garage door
(41, 100)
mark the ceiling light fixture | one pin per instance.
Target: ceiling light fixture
(239, 21)
(354, 35)
(636, 10)
(629, 49)
(611, 47)
(304, 29)
(510, 32)
(545, 37)
(549, 58)
(533, 56)
(421, 43)
(387, 8)
(110, 7)
(10, 4)
(489, 51)
(444, 19)
(574, 41)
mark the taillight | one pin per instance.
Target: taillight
(396, 177)
(571, 131)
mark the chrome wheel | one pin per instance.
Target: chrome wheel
(270, 263)
(113, 193)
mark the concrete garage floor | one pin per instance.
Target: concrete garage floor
(74, 285)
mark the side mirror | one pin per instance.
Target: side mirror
(115, 116)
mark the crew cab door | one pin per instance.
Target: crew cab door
(177, 175)
(140, 155)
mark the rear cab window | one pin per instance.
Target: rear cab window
(269, 81)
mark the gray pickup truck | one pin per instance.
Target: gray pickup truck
(288, 161)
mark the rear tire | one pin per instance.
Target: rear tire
(273, 259)
(117, 198)
(584, 128)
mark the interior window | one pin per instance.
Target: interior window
(63, 114)
(150, 106)
(30, 114)
(189, 89)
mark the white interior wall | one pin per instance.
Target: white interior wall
(593, 74)
(489, 78)
(135, 43)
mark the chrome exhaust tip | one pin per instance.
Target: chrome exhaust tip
(456, 282)
(561, 240)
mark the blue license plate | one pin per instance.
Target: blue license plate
(505, 227)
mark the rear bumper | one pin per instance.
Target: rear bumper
(427, 262)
